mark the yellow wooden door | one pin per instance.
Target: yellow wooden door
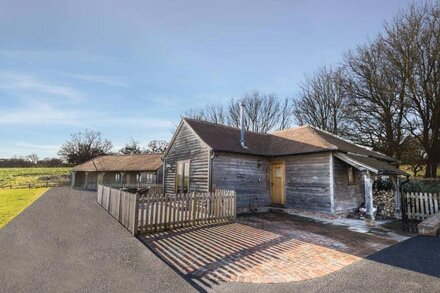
(277, 183)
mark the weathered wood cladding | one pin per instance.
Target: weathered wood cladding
(346, 196)
(187, 146)
(308, 181)
(247, 175)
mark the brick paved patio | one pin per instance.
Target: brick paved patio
(263, 248)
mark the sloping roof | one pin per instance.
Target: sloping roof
(371, 164)
(143, 162)
(299, 140)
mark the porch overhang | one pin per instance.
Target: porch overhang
(364, 163)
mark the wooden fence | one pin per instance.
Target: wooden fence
(35, 185)
(152, 213)
(160, 212)
(420, 206)
(121, 205)
(157, 188)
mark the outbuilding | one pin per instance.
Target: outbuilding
(118, 170)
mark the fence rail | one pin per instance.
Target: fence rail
(135, 185)
(152, 213)
(160, 212)
(420, 206)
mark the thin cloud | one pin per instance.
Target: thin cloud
(47, 115)
(103, 79)
(25, 85)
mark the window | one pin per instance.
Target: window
(351, 178)
(118, 177)
(145, 177)
(182, 177)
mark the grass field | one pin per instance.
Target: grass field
(14, 201)
(17, 177)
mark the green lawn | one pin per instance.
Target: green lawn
(37, 177)
(14, 201)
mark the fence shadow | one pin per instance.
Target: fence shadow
(419, 254)
(252, 251)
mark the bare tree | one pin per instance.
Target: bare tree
(157, 146)
(377, 99)
(413, 155)
(132, 147)
(285, 115)
(322, 101)
(33, 158)
(414, 36)
(83, 146)
(214, 113)
(262, 111)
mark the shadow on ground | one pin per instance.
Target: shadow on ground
(419, 254)
(263, 248)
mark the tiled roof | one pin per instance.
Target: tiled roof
(299, 140)
(139, 162)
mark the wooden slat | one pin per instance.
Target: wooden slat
(158, 212)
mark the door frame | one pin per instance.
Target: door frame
(283, 181)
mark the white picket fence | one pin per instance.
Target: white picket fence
(152, 213)
(420, 206)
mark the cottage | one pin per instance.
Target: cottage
(140, 169)
(301, 168)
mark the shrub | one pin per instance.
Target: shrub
(422, 185)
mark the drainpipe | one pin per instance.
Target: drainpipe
(242, 105)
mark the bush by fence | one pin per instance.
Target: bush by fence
(422, 185)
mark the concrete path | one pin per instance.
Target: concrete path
(66, 242)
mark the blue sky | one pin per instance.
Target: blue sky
(131, 68)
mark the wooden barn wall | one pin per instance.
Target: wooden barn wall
(188, 146)
(308, 182)
(241, 173)
(346, 197)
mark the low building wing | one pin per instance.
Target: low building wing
(121, 163)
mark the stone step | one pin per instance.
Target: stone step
(430, 226)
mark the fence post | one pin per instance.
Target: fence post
(136, 215)
(193, 207)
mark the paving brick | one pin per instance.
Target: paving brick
(264, 248)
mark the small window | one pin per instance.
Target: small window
(118, 177)
(182, 176)
(351, 178)
(139, 177)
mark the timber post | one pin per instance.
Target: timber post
(72, 179)
(368, 185)
(86, 179)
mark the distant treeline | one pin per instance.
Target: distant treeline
(23, 162)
